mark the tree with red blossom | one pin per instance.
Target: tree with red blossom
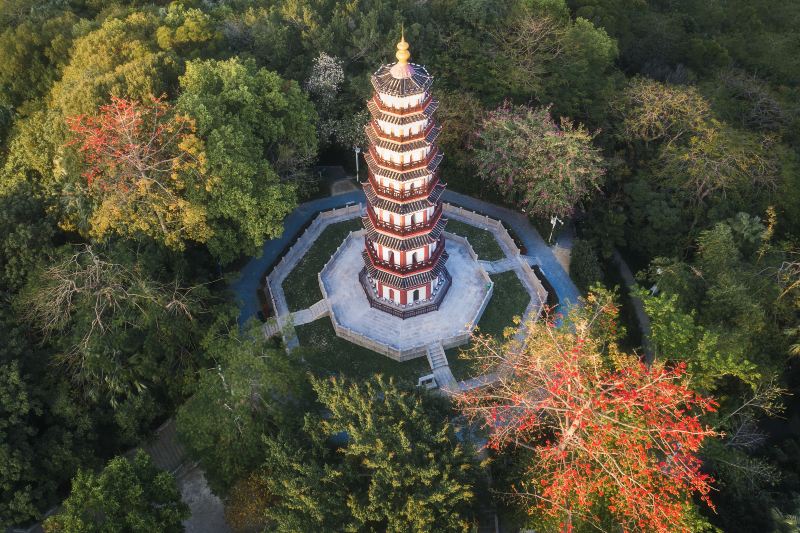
(607, 439)
(142, 162)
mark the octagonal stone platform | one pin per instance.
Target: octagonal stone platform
(451, 325)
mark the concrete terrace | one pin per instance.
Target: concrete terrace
(455, 317)
(247, 285)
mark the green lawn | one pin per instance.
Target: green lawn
(301, 286)
(328, 354)
(509, 299)
(482, 241)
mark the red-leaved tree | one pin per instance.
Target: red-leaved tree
(607, 435)
(142, 161)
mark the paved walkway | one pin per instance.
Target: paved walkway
(638, 306)
(250, 277)
(537, 249)
(499, 266)
(246, 286)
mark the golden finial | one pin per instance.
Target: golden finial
(402, 54)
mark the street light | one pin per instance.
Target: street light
(553, 221)
(357, 150)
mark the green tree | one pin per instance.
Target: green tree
(26, 235)
(122, 337)
(259, 135)
(252, 390)
(652, 111)
(584, 267)
(543, 167)
(397, 465)
(18, 499)
(127, 496)
(120, 58)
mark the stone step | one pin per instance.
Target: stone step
(271, 328)
(436, 356)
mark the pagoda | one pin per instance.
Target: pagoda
(404, 253)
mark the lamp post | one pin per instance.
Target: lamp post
(553, 221)
(357, 150)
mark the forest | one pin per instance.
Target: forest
(148, 149)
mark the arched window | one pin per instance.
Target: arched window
(415, 295)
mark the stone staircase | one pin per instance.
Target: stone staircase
(441, 369)
(271, 328)
(436, 356)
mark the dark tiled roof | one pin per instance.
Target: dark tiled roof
(395, 146)
(405, 282)
(383, 81)
(378, 114)
(396, 243)
(403, 208)
(404, 176)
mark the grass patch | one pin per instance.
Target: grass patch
(328, 355)
(482, 241)
(301, 286)
(509, 299)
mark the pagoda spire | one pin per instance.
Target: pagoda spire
(402, 53)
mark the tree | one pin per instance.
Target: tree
(120, 58)
(26, 235)
(608, 437)
(127, 496)
(18, 501)
(144, 165)
(676, 337)
(719, 159)
(259, 134)
(652, 111)
(584, 267)
(545, 168)
(252, 390)
(122, 337)
(396, 465)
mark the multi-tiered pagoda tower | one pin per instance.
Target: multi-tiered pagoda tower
(405, 249)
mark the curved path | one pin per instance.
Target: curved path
(246, 286)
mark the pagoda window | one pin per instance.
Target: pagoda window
(415, 295)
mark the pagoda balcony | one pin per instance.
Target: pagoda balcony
(401, 167)
(404, 111)
(405, 231)
(413, 268)
(391, 193)
(399, 138)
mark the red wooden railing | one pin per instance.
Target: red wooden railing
(399, 138)
(405, 231)
(405, 194)
(413, 268)
(411, 165)
(405, 311)
(401, 112)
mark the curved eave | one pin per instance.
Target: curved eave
(403, 208)
(405, 282)
(399, 147)
(403, 244)
(379, 114)
(384, 82)
(379, 170)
